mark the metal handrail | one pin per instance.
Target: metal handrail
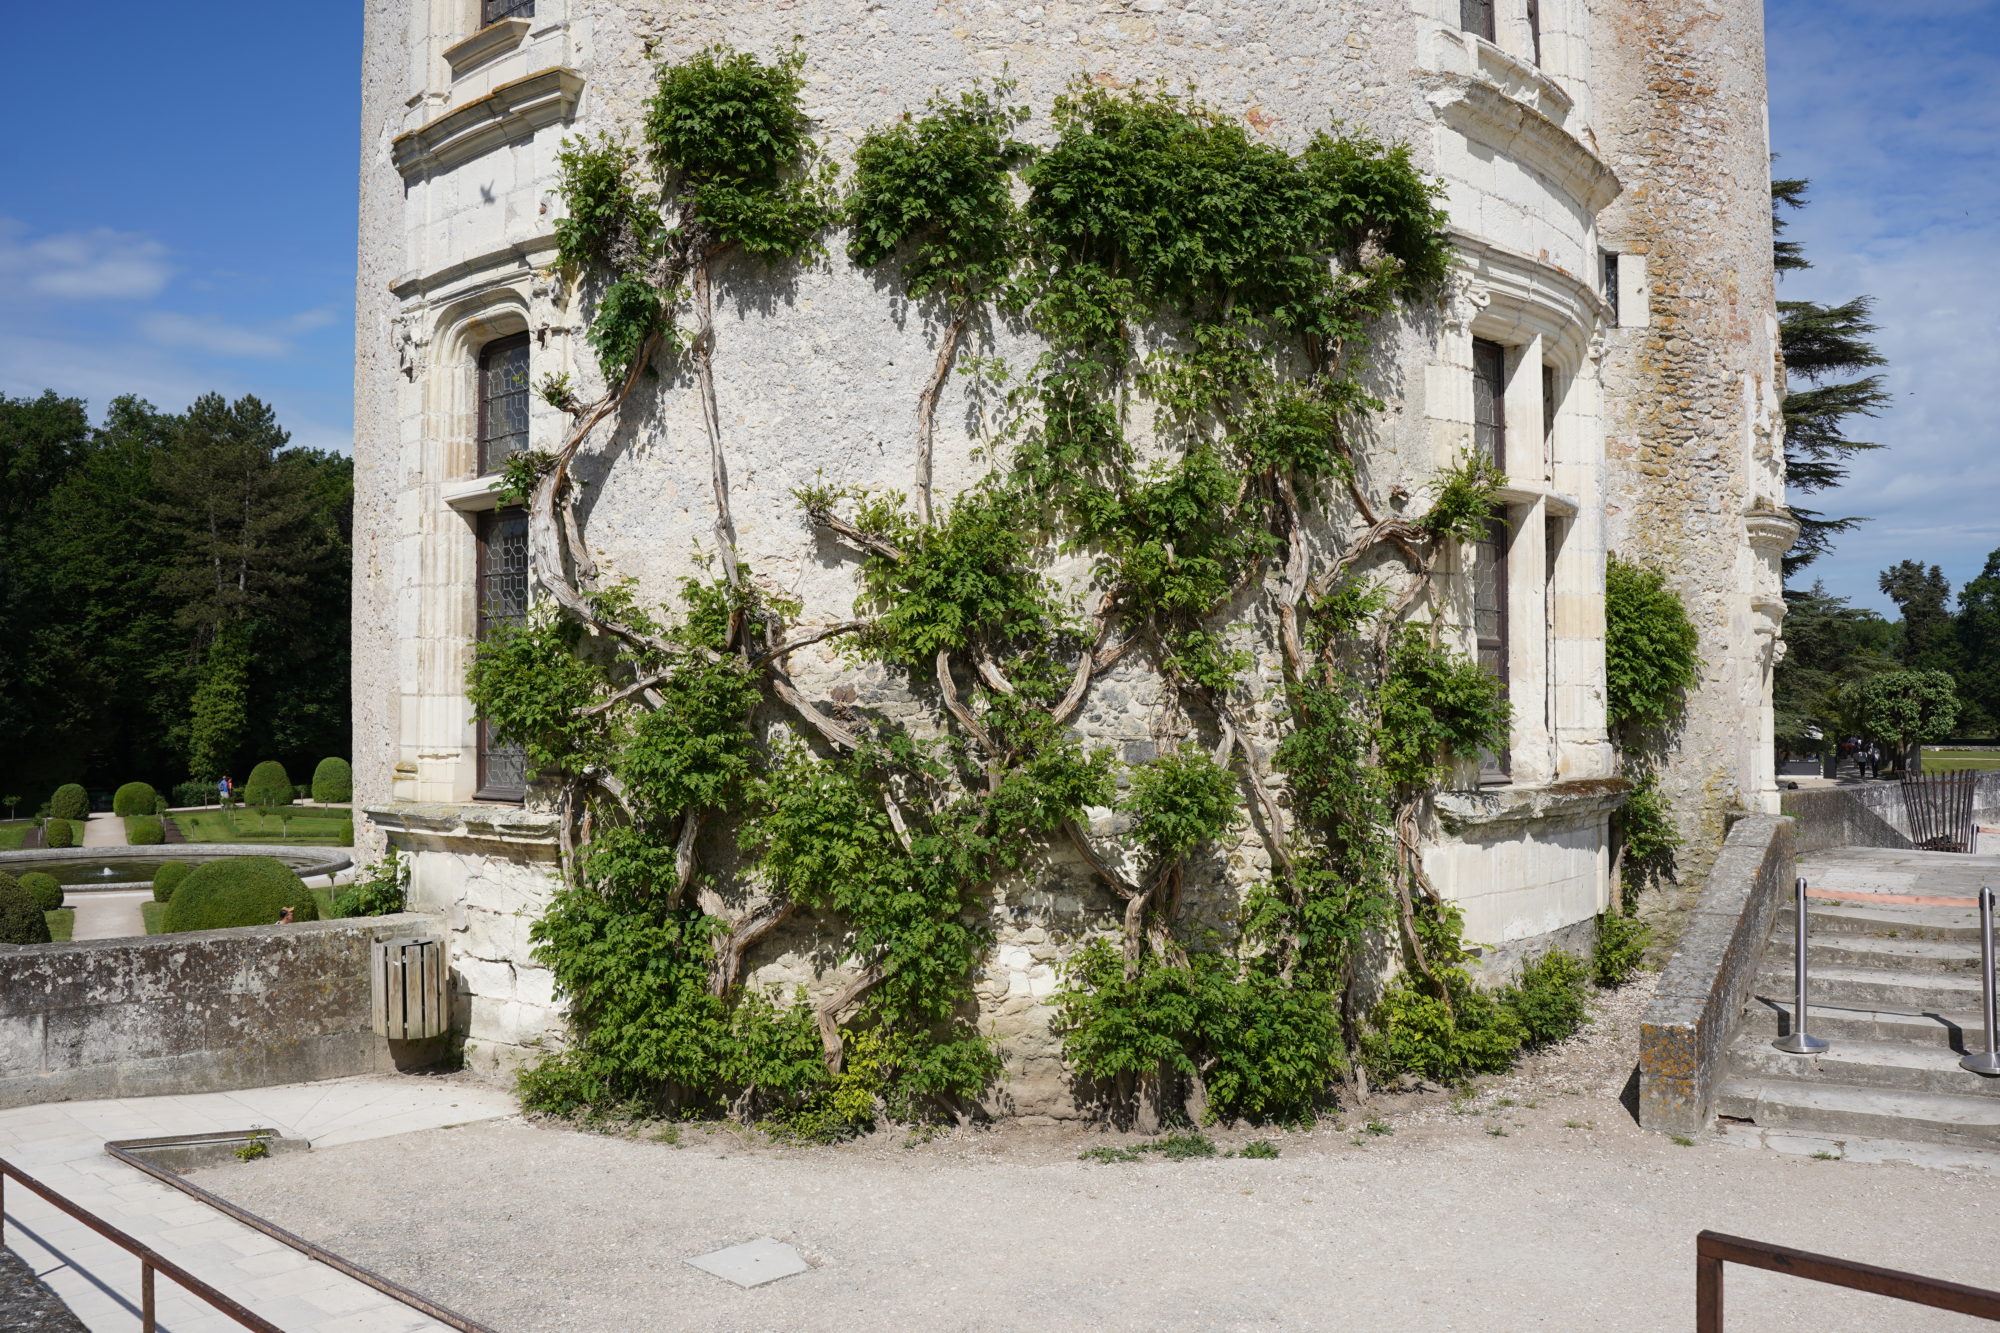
(1986, 1062)
(150, 1261)
(1712, 1250)
(1799, 1041)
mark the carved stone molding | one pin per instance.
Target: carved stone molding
(511, 111)
(1486, 115)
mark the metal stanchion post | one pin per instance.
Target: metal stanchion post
(1986, 1062)
(1800, 1042)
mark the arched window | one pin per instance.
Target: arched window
(492, 11)
(503, 401)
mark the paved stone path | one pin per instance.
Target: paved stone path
(108, 914)
(62, 1145)
(103, 830)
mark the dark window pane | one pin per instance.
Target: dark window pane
(1535, 27)
(1489, 627)
(1489, 405)
(1476, 16)
(503, 401)
(503, 600)
(1611, 284)
(492, 11)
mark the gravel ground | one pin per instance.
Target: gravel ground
(1535, 1203)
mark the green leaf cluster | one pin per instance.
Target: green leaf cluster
(1651, 650)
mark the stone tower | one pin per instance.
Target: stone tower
(1636, 394)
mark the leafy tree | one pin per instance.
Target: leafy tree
(1823, 345)
(1977, 631)
(1924, 598)
(1831, 649)
(1909, 708)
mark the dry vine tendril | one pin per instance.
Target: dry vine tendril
(1177, 273)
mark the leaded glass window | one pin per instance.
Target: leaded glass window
(503, 401)
(492, 11)
(1489, 626)
(1489, 401)
(503, 600)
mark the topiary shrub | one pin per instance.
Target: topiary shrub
(70, 802)
(237, 891)
(345, 833)
(145, 831)
(134, 798)
(43, 889)
(268, 785)
(58, 833)
(21, 919)
(168, 878)
(333, 782)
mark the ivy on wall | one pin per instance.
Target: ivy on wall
(1204, 304)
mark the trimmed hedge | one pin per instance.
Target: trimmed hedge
(21, 918)
(145, 831)
(238, 891)
(333, 782)
(58, 833)
(346, 833)
(168, 878)
(70, 802)
(196, 793)
(268, 785)
(134, 798)
(43, 889)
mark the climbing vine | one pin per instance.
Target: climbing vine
(1204, 306)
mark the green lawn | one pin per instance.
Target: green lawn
(309, 825)
(152, 913)
(12, 831)
(1949, 761)
(61, 922)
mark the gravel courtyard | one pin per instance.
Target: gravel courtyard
(1537, 1204)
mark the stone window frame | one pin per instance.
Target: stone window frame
(462, 331)
(1547, 322)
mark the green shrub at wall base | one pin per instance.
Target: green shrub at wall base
(21, 918)
(168, 878)
(134, 798)
(43, 889)
(1621, 943)
(70, 802)
(238, 891)
(58, 833)
(1549, 997)
(333, 781)
(145, 831)
(268, 785)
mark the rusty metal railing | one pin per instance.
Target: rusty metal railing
(150, 1261)
(1713, 1249)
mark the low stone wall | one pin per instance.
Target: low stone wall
(1686, 1031)
(1871, 814)
(204, 1011)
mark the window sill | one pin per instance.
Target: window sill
(470, 821)
(1577, 799)
(489, 43)
(510, 112)
(474, 495)
(1528, 492)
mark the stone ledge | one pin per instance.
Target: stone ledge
(495, 39)
(511, 111)
(486, 823)
(1489, 116)
(1580, 798)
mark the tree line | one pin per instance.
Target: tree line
(1849, 671)
(173, 593)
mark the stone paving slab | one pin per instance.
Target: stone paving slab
(1900, 870)
(62, 1145)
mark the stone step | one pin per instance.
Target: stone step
(1873, 951)
(1835, 1109)
(1918, 923)
(1877, 988)
(1866, 1064)
(1770, 1015)
(1955, 1158)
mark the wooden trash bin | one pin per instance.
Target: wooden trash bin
(412, 988)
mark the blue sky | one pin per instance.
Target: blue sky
(180, 217)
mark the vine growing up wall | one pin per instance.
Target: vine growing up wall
(1205, 305)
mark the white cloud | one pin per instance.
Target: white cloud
(207, 334)
(95, 265)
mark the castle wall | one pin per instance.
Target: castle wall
(817, 376)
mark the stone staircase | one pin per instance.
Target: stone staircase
(1895, 990)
